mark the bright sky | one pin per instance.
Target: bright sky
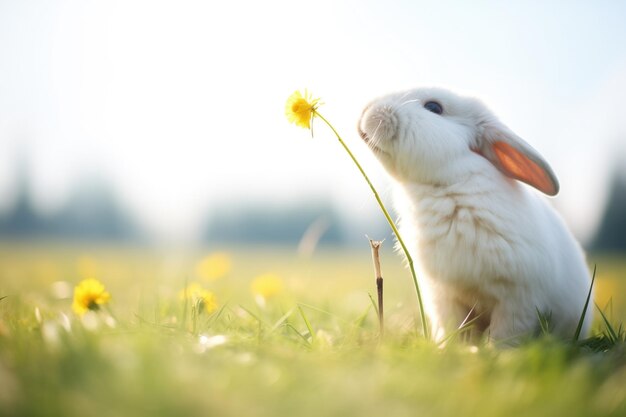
(180, 104)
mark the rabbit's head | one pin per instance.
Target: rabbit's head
(431, 135)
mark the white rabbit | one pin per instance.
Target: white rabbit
(485, 246)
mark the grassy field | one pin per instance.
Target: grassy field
(301, 341)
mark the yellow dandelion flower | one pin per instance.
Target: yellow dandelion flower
(300, 109)
(267, 286)
(214, 266)
(89, 294)
(199, 296)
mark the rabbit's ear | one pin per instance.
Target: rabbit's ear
(517, 159)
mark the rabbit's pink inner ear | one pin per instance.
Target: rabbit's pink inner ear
(517, 165)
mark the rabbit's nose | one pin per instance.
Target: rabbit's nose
(378, 123)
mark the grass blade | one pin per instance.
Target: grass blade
(358, 323)
(373, 303)
(183, 322)
(281, 321)
(465, 326)
(215, 316)
(307, 323)
(544, 321)
(254, 316)
(611, 331)
(584, 313)
(303, 337)
(156, 324)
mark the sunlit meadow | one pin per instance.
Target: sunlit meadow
(264, 331)
(286, 335)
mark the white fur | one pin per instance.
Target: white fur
(481, 241)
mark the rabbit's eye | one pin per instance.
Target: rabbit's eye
(434, 107)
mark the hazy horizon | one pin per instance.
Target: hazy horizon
(180, 105)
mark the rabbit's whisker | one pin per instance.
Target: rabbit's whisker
(375, 140)
(407, 102)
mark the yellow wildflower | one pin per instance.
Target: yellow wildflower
(214, 266)
(199, 296)
(89, 294)
(300, 109)
(266, 286)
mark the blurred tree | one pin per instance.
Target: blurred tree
(91, 213)
(22, 219)
(611, 235)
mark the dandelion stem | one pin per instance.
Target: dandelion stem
(391, 224)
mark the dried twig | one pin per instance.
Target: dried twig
(375, 245)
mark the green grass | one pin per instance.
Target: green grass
(312, 350)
